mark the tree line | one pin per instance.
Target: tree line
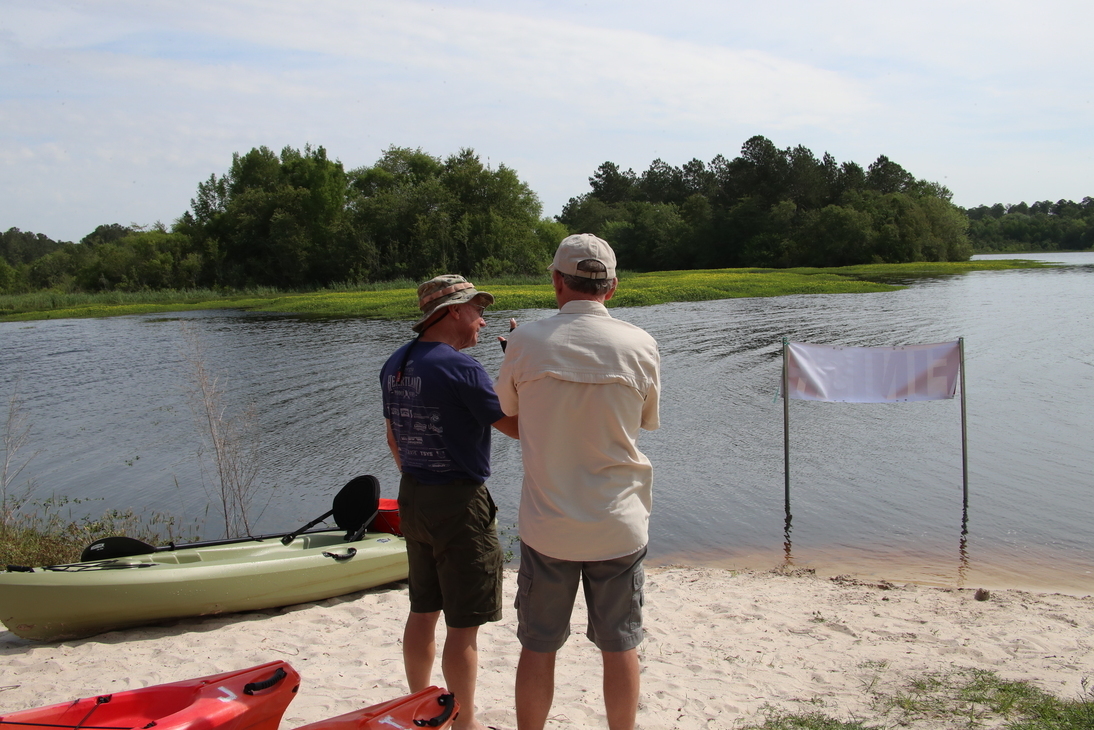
(299, 220)
(1042, 226)
(770, 207)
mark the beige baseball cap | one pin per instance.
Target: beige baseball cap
(583, 247)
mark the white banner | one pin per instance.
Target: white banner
(873, 374)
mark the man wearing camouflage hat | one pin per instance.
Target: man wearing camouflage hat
(440, 406)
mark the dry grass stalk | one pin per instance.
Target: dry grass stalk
(16, 436)
(231, 443)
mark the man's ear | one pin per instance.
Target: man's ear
(556, 280)
(611, 292)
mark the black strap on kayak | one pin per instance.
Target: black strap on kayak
(100, 565)
(448, 702)
(81, 726)
(406, 354)
(99, 702)
(355, 536)
(251, 687)
(296, 533)
(70, 727)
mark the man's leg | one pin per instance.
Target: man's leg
(621, 682)
(419, 648)
(460, 664)
(613, 595)
(420, 632)
(535, 688)
(546, 588)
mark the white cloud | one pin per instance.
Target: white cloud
(117, 109)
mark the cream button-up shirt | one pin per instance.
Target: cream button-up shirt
(583, 384)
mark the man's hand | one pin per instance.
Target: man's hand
(501, 340)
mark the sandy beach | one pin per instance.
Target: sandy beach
(721, 647)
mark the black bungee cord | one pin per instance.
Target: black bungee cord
(406, 355)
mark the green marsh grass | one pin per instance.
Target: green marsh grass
(56, 305)
(397, 300)
(970, 699)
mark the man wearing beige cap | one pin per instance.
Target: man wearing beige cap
(440, 405)
(583, 384)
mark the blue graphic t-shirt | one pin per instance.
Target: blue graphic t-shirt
(440, 411)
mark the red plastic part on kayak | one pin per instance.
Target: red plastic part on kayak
(248, 699)
(433, 707)
(387, 517)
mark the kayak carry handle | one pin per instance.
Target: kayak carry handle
(344, 556)
(251, 687)
(448, 702)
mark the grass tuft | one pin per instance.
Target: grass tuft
(46, 533)
(972, 698)
(775, 719)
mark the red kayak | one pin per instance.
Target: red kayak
(433, 707)
(248, 699)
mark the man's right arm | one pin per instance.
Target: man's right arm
(508, 426)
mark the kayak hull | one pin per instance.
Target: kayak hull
(82, 599)
(249, 699)
(432, 707)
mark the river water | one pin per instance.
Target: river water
(876, 490)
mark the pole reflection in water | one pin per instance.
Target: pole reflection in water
(788, 555)
(963, 549)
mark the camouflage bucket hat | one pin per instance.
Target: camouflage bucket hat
(445, 291)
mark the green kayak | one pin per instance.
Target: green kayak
(81, 599)
(121, 582)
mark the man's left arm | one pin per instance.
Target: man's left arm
(651, 407)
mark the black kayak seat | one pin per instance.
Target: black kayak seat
(355, 507)
(357, 503)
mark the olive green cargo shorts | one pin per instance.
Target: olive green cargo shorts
(453, 550)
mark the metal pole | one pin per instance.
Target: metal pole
(786, 426)
(964, 431)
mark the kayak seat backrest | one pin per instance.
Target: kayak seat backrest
(356, 503)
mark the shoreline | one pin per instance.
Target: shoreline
(722, 647)
(1046, 574)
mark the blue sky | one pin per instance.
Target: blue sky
(113, 111)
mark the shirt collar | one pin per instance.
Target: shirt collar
(584, 306)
